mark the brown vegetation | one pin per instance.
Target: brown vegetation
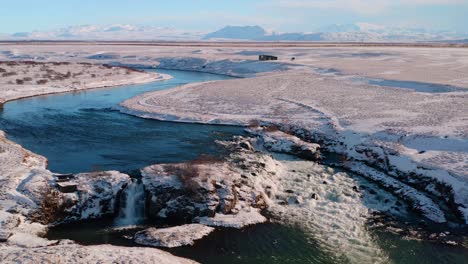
(7, 74)
(186, 173)
(271, 128)
(254, 123)
(41, 81)
(189, 173)
(52, 207)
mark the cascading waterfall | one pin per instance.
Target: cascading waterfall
(132, 209)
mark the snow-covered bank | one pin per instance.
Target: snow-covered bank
(446, 65)
(27, 78)
(230, 67)
(208, 190)
(173, 236)
(27, 197)
(390, 129)
(72, 253)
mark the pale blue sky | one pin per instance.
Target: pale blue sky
(208, 15)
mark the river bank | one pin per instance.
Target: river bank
(377, 133)
(390, 129)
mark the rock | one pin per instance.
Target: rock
(4, 236)
(246, 145)
(96, 195)
(295, 200)
(282, 142)
(216, 192)
(240, 220)
(314, 196)
(173, 236)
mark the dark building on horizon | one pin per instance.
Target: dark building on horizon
(267, 57)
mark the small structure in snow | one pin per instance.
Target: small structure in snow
(267, 57)
(67, 187)
(63, 177)
(4, 236)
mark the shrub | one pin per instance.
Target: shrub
(7, 74)
(2, 70)
(52, 208)
(186, 173)
(19, 81)
(27, 79)
(42, 82)
(271, 128)
(254, 123)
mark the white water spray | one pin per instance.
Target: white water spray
(132, 209)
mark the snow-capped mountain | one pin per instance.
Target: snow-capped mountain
(358, 32)
(111, 32)
(238, 32)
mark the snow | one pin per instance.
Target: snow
(72, 253)
(279, 141)
(397, 132)
(22, 175)
(239, 220)
(396, 124)
(446, 65)
(63, 77)
(420, 202)
(226, 192)
(172, 236)
(349, 32)
(96, 194)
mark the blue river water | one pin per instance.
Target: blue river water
(80, 131)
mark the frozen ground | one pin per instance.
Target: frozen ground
(413, 144)
(398, 130)
(72, 253)
(421, 64)
(23, 175)
(172, 236)
(28, 78)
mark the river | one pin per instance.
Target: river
(82, 131)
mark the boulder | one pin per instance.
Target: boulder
(173, 236)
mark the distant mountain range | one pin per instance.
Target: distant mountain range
(112, 32)
(359, 32)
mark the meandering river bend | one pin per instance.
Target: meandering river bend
(81, 132)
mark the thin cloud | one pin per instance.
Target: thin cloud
(359, 6)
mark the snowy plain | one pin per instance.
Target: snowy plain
(385, 133)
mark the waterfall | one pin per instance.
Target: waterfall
(132, 201)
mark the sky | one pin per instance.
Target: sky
(210, 15)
